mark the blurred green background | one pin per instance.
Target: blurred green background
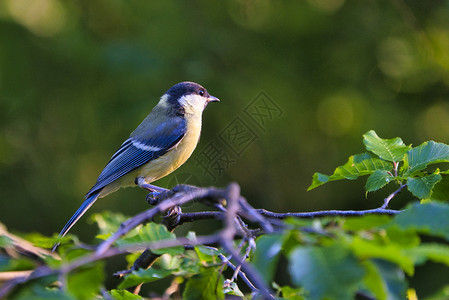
(76, 77)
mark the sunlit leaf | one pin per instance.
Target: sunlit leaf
(421, 187)
(357, 165)
(233, 289)
(433, 252)
(206, 254)
(123, 295)
(206, 285)
(152, 232)
(108, 223)
(377, 180)
(331, 272)
(372, 249)
(143, 276)
(420, 157)
(365, 222)
(391, 150)
(288, 292)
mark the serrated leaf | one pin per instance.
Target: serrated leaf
(387, 149)
(430, 218)
(124, 295)
(266, 257)
(378, 180)
(152, 232)
(357, 165)
(427, 153)
(421, 187)
(206, 285)
(143, 276)
(326, 272)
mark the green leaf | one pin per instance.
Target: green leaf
(420, 157)
(6, 241)
(206, 285)
(422, 187)
(365, 222)
(39, 291)
(440, 191)
(430, 218)
(108, 223)
(86, 283)
(124, 295)
(374, 281)
(288, 292)
(206, 255)
(326, 272)
(391, 150)
(435, 252)
(266, 257)
(232, 289)
(372, 249)
(143, 276)
(357, 165)
(393, 279)
(378, 180)
(443, 293)
(153, 232)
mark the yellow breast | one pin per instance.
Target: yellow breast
(164, 164)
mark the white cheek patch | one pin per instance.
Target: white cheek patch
(193, 102)
(144, 147)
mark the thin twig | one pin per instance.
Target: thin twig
(388, 199)
(328, 213)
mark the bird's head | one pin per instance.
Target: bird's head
(189, 97)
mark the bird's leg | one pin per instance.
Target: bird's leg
(155, 191)
(140, 181)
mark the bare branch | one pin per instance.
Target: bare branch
(328, 213)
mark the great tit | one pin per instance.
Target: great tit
(160, 144)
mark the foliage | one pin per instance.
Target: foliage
(391, 161)
(371, 256)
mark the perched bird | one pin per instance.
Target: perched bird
(160, 144)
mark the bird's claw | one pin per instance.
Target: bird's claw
(153, 198)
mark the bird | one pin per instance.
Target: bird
(164, 141)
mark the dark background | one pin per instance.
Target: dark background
(76, 77)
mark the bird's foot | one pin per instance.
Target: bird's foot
(172, 218)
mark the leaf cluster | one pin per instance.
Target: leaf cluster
(371, 256)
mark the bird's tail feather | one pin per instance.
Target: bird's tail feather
(78, 214)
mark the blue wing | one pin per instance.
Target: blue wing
(140, 149)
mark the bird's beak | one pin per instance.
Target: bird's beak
(212, 99)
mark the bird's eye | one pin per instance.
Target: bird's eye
(201, 93)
